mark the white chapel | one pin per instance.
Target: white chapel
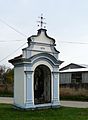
(36, 73)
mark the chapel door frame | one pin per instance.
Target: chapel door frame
(50, 84)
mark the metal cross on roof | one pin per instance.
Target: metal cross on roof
(41, 21)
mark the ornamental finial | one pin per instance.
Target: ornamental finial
(41, 25)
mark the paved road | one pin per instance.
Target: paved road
(7, 100)
(76, 104)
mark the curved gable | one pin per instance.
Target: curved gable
(41, 37)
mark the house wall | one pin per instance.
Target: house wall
(65, 78)
(85, 77)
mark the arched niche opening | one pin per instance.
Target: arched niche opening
(42, 84)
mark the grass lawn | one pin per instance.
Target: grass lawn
(7, 112)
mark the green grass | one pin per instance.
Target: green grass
(7, 112)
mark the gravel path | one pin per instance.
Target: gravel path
(9, 100)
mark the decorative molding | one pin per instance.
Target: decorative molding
(55, 72)
(28, 72)
(41, 44)
(56, 76)
(29, 101)
(41, 51)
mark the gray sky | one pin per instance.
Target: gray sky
(67, 22)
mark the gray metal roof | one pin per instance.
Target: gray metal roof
(75, 70)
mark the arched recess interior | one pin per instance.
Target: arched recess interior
(42, 84)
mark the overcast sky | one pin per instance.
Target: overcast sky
(67, 23)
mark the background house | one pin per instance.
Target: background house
(74, 75)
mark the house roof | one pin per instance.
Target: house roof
(84, 65)
(74, 70)
(73, 66)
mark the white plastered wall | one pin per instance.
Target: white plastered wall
(19, 86)
(42, 39)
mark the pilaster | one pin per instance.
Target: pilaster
(55, 101)
(29, 90)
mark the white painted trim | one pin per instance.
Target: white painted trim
(33, 87)
(52, 87)
(43, 105)
(46, 58)
(42, 62)
(58, 88)
(51, 81)
(25, 92)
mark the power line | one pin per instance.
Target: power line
(12, 53)
(59, 41)
(25, 43)
(26, 36)
(74, 42)
(10, 41)
(13, 28)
